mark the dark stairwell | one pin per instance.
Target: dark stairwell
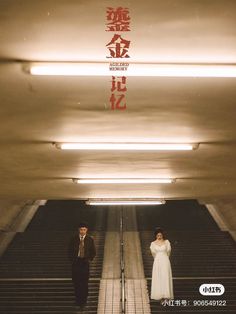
(35, 271)
(199, 250)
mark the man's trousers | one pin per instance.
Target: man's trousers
(80, 277)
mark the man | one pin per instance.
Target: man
(81, 252)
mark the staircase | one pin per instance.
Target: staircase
(201, 253)
(35, 271)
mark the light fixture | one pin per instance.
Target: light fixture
(125, 146)
(125, 202)
(134, 69)
(123, 181)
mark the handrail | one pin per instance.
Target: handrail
(122, 263)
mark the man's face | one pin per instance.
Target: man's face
(83, 231)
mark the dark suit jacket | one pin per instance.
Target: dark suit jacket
(89, 248)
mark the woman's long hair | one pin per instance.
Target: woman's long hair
(159, 230)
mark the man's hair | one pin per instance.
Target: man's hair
(83, 224)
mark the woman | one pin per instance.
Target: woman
(162, 282)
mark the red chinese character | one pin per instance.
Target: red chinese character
(119, 19)
(116, 102)
(120, 48)
(117, 85)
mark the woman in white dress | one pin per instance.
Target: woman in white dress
(162, 281)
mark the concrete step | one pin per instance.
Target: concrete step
(188, 290)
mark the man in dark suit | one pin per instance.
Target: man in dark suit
(81, 252)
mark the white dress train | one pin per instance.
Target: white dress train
(162, 281)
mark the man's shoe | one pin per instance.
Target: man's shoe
(82, 307)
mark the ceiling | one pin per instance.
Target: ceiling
(37, 110)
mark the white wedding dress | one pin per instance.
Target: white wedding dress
(162, 282)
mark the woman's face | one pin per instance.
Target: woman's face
(159, 236)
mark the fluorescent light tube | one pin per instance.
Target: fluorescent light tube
(125, 202)
(134, 69)
(126, 146)
(123, 181)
